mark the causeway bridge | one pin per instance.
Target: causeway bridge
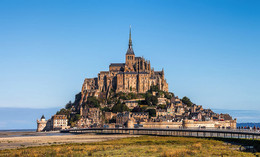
(219, 133)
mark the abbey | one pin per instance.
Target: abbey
(135, 75)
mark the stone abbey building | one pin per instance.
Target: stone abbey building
(135, 75)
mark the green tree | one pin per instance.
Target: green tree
(154, 88)
(92, 102)
(68, 105)
(109, 101)
(154, 100)
(63, 111)
(186, 101)
(131, 96)
(160, 94)
(77, 100)
(161, 106)
(119, 107)
(136, 109)
(105, 109)
(152, 112)
(77, 117)
(168, 95)
(150, 99)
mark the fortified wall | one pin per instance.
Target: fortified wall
(191, 124)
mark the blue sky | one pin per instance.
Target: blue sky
(208, 49)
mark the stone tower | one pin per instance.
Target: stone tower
(41, 124)
(130, 55)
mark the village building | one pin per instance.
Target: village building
(109, 115)
(161, 112)
(140, 116)
(132, 103)
(122, 118)
(90, 117)
(170, 109)
(134, 117)
(59, 122)
(162, 101)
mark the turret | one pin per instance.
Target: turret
(41, 124)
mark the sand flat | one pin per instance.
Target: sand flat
(28, 141)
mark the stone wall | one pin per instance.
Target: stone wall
(191, 124)
(210, 124)
(162, 125)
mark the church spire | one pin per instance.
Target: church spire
(130, 39)
(130, 50)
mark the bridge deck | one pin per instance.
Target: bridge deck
(171, 132)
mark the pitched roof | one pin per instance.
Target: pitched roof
(117, 64)
(42, 117)
(130, 51)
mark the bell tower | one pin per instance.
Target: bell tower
(130, 55)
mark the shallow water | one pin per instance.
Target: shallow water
(13, 133)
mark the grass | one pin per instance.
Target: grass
(136, 146)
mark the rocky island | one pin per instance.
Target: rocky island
(133, 95)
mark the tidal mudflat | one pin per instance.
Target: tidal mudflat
(28, 139)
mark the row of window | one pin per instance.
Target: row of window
(60, 123)
(130, 57)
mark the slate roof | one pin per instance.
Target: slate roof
(130, 51)
(42, 117)
(158, 72)
(117, 64)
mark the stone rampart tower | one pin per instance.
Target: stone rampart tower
(41, 124)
